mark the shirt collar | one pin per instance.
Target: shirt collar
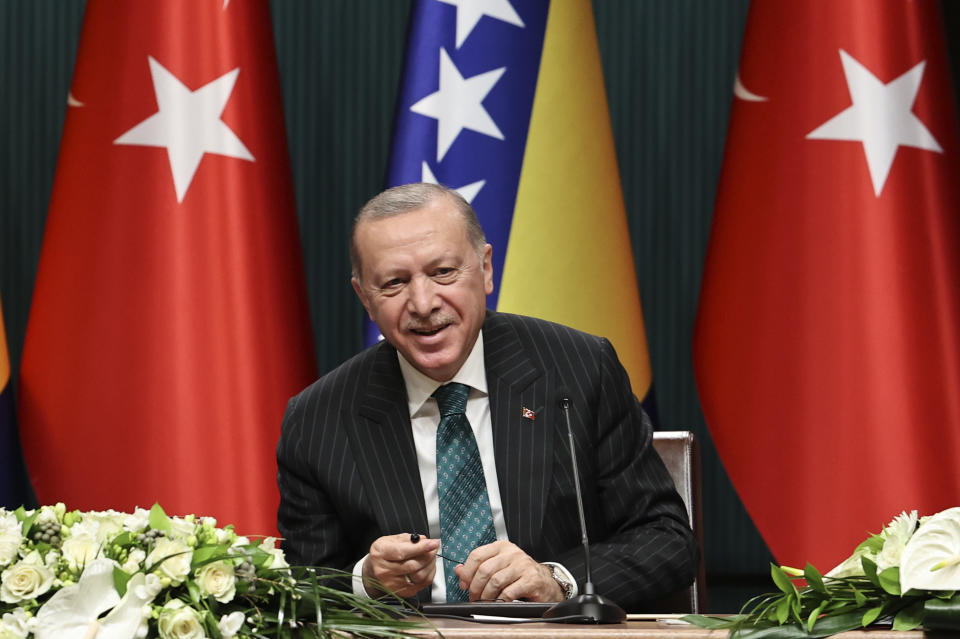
(473, 373)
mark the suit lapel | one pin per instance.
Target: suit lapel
(384, 449)
(522, 445)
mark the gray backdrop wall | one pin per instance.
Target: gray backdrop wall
(669, 67)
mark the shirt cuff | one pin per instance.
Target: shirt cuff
(358, 588)
(566, 573)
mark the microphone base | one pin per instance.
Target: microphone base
(589, 608)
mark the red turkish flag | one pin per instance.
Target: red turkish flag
(827, 345)
(169, 323)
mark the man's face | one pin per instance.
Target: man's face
(424, 285)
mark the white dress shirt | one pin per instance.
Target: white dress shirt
(424, 420)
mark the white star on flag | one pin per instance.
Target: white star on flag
(457, 104)
(881, 118)
(188, 124)
(469, 13)
(467, 191)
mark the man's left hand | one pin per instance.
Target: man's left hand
(502, 571)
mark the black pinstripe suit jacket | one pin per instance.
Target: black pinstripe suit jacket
(348, 471)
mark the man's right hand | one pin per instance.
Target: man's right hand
(400, 565)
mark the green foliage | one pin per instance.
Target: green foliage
(825, 606)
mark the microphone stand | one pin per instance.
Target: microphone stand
(588, 607)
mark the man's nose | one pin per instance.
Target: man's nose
(423, 298)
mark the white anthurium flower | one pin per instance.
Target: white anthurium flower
(127, 619)
(931, 559)
(71, 612)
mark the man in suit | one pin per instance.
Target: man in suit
(364, 460)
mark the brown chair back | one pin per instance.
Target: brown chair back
(680, 454)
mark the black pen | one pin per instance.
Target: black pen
(414, 538)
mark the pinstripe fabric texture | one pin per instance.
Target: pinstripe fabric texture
(348, 472)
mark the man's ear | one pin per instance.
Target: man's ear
(358, 289)
(488, 269)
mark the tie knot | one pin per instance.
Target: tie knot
(452, 398)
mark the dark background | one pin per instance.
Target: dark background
(669, 67)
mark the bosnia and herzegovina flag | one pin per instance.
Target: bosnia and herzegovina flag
(11, 463)
(505, 102)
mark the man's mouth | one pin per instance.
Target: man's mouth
(426, 332)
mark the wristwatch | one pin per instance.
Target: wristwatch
(560, 576)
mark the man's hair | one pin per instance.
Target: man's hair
(410, 197)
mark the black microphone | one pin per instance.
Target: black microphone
(588, 607)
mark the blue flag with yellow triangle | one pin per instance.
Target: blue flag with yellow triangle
(504, 101)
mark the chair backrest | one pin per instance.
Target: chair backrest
(680, 454)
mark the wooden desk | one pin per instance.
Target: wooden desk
(455, 629)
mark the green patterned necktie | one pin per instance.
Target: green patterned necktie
(465, 518)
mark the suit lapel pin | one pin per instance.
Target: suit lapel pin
(529, 414)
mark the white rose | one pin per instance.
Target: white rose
(15, 625)
(230, 624)
(25, 580)
(181, 528)
(177, 556)
(80, 550)
(137, 520)
(110, 524)
(218, 580)
(178, 621)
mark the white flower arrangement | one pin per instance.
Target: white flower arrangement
(79, 575)
(907, 575)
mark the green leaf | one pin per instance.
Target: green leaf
(26, 521)
(712, 623)
(940, 614)
(815, 615)
(873, 544)
(814, 580)
(194, 591)
(870, 616)
(890, 580)
(120, 580)
(860, 598)
(783, 610)
(158, 519)
(870, 570)
(123, 540)
(781, 580)
(207, 554)
(910, 617)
